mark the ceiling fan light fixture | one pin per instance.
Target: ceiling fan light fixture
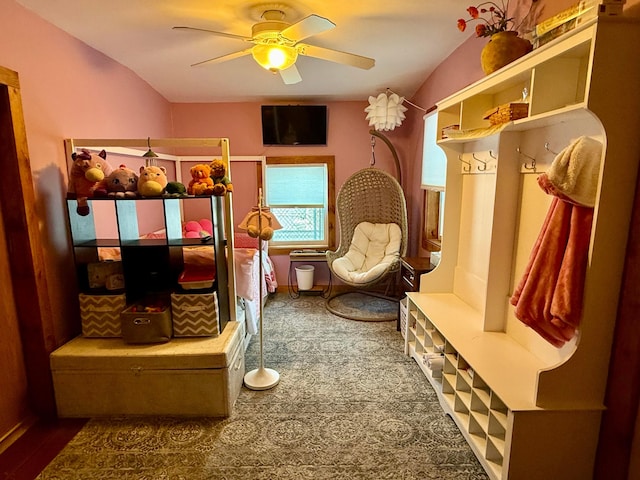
(274, 57)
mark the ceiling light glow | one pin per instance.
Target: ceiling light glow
(274, 57)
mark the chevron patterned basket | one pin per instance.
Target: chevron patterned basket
(195, 314)
(100, 314)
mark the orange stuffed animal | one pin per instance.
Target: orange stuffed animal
(201, 183)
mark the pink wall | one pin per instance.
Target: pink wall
(69, 90)
(348, 140)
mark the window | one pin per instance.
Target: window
(434, 169)
(301, 194)
(433, 221)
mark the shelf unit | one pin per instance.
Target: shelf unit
(151, 266)
(529, 410)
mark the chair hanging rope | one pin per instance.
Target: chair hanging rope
(373, 151)
(391, 147)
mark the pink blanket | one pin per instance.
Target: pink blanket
(549, 296)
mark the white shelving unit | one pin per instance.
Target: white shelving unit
(529, 410)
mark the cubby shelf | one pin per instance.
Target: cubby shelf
(148, 232)
(527, 409)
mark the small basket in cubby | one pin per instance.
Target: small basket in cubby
(506, 113)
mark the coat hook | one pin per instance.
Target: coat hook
(468, 167)
(533, 160)
(484, 164)
(546, 147)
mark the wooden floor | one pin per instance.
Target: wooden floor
(33, 451)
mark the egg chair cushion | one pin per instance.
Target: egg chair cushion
(373, 249)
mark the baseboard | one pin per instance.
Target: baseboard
(16, 432)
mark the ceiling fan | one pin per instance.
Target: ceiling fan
(277, 45)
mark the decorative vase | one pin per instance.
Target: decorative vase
(502, 49)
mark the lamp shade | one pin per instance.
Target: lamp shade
(385, 112)
(274, 57)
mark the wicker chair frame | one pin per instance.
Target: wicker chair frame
(369, 195)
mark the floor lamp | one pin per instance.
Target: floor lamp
(260, 223)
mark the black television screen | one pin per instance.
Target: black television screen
(294, 124)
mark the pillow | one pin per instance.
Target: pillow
(373, 248)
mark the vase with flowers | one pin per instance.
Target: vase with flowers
(504, 45)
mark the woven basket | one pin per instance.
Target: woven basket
(506, 113)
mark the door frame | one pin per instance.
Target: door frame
(23, 239)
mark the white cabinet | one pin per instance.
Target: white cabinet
(529, 410)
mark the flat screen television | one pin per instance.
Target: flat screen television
(294, 124)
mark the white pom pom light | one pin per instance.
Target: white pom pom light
(385, 112)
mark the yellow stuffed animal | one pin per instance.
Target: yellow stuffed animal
(152, 181)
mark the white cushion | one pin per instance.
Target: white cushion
(373, 248)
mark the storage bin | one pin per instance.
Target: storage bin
(195, 315)
(184, 377)
(146, 327)
(106, 275)
(100, 314)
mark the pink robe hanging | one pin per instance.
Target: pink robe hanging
(549, 296)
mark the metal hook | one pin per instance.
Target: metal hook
(484, 164)
(373, 151)
(546, 147)
(468, 167)
(533, 160)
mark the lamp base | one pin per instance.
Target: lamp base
(261, 379)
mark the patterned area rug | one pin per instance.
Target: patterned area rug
(363, 307)
(350, 405)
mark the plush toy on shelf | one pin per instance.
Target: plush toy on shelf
(202, 228)
(121, 183)
(87, 171)
(175, 189)
(152, 181)
(201, 182)
(221, 182)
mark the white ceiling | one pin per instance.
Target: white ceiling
(407, 39)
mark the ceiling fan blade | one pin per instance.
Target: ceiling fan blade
(290, 76)
(220, 34)
(336, 56)
(308, 26)
(224, 58)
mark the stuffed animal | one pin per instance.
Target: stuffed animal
(201, 183)
(175, 189)
(200, 229)
(221, 182)
(152, 181)
(121, 183)
(87, 171)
